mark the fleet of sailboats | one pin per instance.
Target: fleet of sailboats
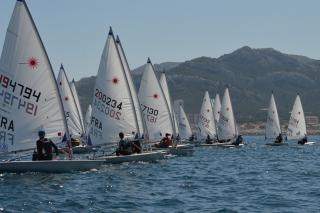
(33, 100)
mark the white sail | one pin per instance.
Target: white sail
(165, 89)
(273, 124)
(87, 119)
(297, 124)
(217, 108)
(184, 126)
(134, 95)
(69, 105)
(153, 105)
(76, 98)
(112, 106)
(29, 94)
(206, 120)
(226, 125)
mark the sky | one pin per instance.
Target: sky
(74, 31)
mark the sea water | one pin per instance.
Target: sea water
(253, 178)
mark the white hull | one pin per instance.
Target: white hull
(179, 150)
(226, 145)
(54, 166)
(146, 156)
(309, 143)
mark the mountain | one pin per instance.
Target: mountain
(158, 67)
(251, 75)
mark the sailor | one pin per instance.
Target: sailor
(125, 146)
(279, 138)
(238, 141)
(165, 142)
(191, 137)
(44, 148)
(136, 145)
(208, 140)
(178, 138)
(303, 140)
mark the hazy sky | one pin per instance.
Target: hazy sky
(74, 31)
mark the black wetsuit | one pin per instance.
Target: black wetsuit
(125, 148)
(279, 139)
(44, 149)
(238, 141)
(303, 141)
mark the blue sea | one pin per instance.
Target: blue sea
(253, 178)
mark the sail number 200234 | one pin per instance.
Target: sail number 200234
(110, 107)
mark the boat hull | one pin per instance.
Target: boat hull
(179, 150)
(146, 157)
(226, 145)
(54, 166)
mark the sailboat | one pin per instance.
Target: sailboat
(206, 124)
(184, 125)
(31, 100)
(156, 112)
(113, 109)
(154, 107)
(297, 130)
(165, 89)
(216, 108)
(76, 99)
(273, 129)
(227, 128)
(74, 121)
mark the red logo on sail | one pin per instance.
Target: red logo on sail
(32, 63)
(155, 96)
(66, 98)
(115, 80)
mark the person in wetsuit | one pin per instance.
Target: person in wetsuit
(165, 142)
(125, 147)
(303, 140)
(238, 141)
(44, 148)
(279, 139)
(209, 140)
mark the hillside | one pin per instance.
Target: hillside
(251, 75)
